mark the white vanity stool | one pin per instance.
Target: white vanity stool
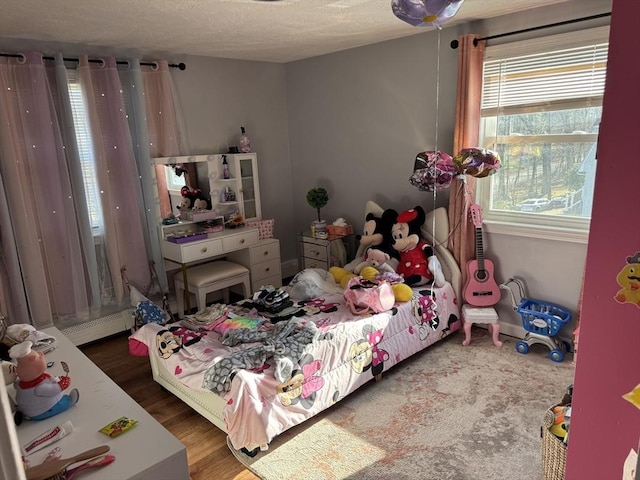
(211, 277)
(485, 315)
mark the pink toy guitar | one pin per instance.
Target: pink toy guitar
(481, 289)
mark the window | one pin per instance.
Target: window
(541, 108)
(174, 181)
(85, 150)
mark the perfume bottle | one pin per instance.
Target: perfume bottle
(245, 144)
(225, 167)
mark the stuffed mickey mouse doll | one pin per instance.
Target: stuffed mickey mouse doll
(377, 232)
(418, 263)
(192, 199)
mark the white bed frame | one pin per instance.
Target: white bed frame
(210, 405)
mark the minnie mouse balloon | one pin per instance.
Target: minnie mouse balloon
(477, 162)
(425, 13)
(433, 171)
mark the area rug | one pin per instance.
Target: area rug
(449, 412)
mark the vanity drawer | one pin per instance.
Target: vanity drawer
(241, 240)
(275, 280)
(313, 251)
(266, 250)
(262, 270)
(201, 250)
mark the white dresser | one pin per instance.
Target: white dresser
(263, 261)
(147, 451)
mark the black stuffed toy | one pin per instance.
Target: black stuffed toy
(376, 233)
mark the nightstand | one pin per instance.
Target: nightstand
(335, 251)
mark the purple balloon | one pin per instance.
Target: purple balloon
(425, 13)
(433, 171)
(477, 162)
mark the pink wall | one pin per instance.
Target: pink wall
(604, 426)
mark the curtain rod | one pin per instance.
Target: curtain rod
(455, 43)
(180, 65)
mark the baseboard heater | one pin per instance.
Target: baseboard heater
(99, 328)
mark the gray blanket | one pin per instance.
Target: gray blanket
(285, 342)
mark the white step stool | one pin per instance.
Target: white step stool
(485, 315)
(211, 277)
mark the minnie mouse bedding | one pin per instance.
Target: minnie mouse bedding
(277, 375)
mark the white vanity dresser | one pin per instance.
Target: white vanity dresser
(240, 245)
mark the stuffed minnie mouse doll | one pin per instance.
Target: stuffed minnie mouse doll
(418, 263)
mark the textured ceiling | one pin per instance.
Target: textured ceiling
(266, 30)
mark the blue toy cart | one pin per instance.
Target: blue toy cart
(542, 320)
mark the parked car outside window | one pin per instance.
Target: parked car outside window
(534, 205)
(558, 203)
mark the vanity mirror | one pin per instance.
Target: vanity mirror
(235, 192)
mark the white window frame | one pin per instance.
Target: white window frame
(554, 227)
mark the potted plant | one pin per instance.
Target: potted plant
(317, 198)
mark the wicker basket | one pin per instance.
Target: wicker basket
(554, 450)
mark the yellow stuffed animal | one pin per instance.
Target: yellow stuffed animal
(341, 275)
(560, 427)
(402, 292)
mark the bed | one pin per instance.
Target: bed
(334, 352)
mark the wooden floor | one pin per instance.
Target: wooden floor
(209, 456)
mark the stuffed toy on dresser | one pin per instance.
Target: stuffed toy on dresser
(38, 394)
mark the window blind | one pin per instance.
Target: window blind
(85, 150)
(561, 78)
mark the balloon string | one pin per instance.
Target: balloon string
(433, 220)
(437, 89)
(468, 194)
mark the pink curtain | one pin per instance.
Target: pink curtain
(53, 265)
(117, 174)
(164, 125)
(466, 133)
(41, 247)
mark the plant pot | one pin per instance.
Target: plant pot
(319, 229)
